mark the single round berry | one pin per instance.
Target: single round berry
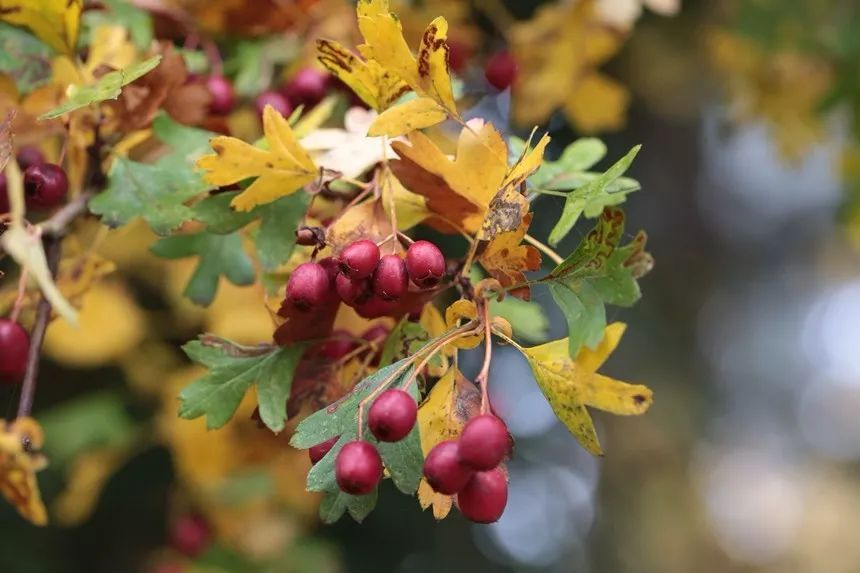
(459, 54)
(281, 104)
(45, 185)
(358, 259)
(483, 443)
(307, 87)
(319, 451)
(484, 497)
(222, 93)
(4, 194)
(339, 345)
(443, 470)
(390, 279)
(353, 292)
(358, 468)
(392, 415)
(190, 535)
(425, 264)
(29, 155)
(14, 346)
(309, 286)
(501, 70)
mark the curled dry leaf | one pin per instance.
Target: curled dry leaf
(20, 443)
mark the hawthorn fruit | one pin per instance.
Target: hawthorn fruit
(307, 87)
(359, 259)
(318, 452)
(29, 155)
(353, 292)
(190, 535)
(484, 497)
(45, 185)
(483, 443)
(501, 70)
(358, 468)
(425, 264)
(443, 470)
(392, 415)
(390, 280)
(309, 286)
(223, 96)
(14, 346)
(275, 99)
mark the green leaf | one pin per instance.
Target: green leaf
(232, 371)
(107, 87)
(255, 62)
(335, 503)
(406, 338)
(219, 217)
(592, 197)
(24, 57)
(599, 272)
(527, 317)
(156, 192)
(138, 22)
(579, 156)
(219, 255)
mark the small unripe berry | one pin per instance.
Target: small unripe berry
(376, 308)
(392, 415)
(281, 104)
(222, 93)
(353, 292)
(309, 286)
(318, 452)
(484, 497)
(358, 468)
(29, 155)
(14, 346)
(45, 185)
(190, 535)
(307, 87)
(425, 264)
(483, 443)
(501, 70)
(359, 259)
(443, 470)
(390, 279)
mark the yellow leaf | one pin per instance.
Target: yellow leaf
(463, 309)
(109, 47)
(598, 103)
(450, 404)
(282, 169)
(410, 208)
(366, 220)
(85, 482)
(527, 164)
(415, 114)
(55, 22)
(571, 385)
(506, 259)
(20, 442)
(384, 42)
(375, 86)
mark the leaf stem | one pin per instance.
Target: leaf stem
(545, 249)
(482, 378)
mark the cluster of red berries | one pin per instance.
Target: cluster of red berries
(469, 467)
(307, 87)
(14, 346)
(358, 467)
(45, 184)
(361, 278)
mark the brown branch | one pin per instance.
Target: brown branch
(59, 222)
(37, 335)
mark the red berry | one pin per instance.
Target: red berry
(190, 535)
(281, 104)
(376, 308)
(425, 264)
(392, 415)
(307, 87)
(309, 286)
(353, 292)
(458, 55)
(223, 97)
(29, 155)
(4, 194)
(376, 333)
(319, 451)
(390, 280)
(358, 468)
(45, 185)
(14, 346)
(501, 70)
(483, 443)
(339, 345)
(443, 470)
(484, 497)
(358, 259)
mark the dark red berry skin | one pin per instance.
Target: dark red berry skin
(358, 468)
(223, 97)
(390, 280)
(281, 104)
(483, 443)
(309, 287)
(4, 194)
(307, 87)
(392, 415)
(29, 155)
(425, 264)
(353, 292)
(339, 345)
(359, 259)
(376, 333)
(501, 70)
(190, 535)
(318, 452)
(14, 346)
(484, 497)
(376, 308)
(45, 185)
(443, 470)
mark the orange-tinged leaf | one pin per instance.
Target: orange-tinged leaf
(281, 170)
(20, 442)
(366, 220)
(410, 208)
(376, 86)
(415, 114)
(506, 259)
(460, 310)
(55, 22)
(572, 384)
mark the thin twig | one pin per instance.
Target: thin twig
(484, 374)
(59, 222)
(545, 249)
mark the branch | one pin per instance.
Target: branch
(37, 335)
(59, 222)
